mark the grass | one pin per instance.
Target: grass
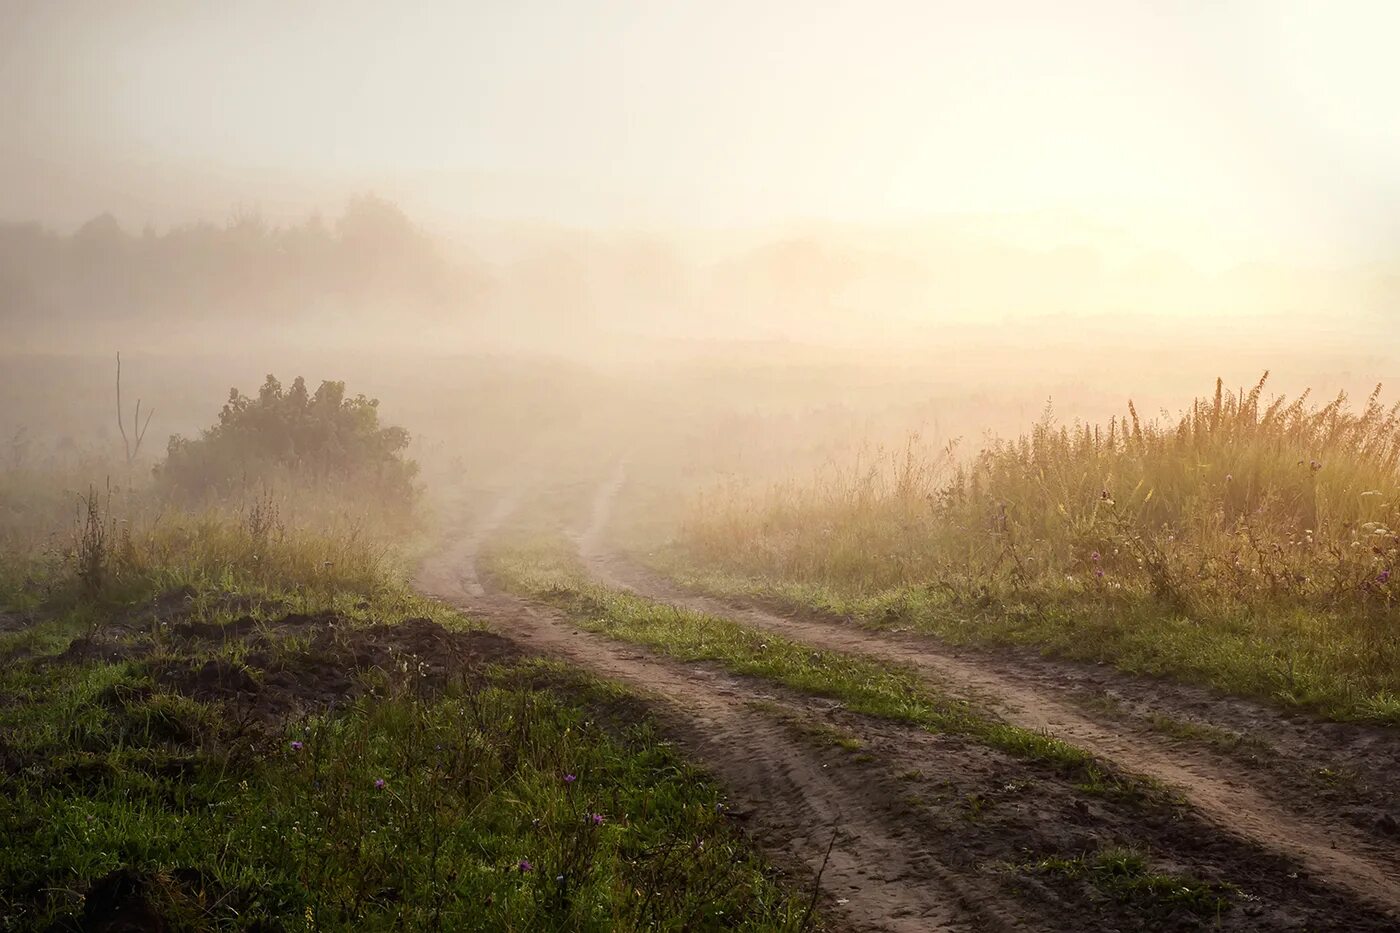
(1247, 545)
(1127, 876)
(1206, 734)
(475, 827)
(820, 734)
(515, 794)
(547, 571)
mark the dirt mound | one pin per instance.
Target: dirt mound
(215, 679)
(12, 622)
(122, 901)
(106, 646)
(301, 662)
(214, 632)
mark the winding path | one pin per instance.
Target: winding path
(1331, 852)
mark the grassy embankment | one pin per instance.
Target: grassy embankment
(218, 719)
(1247, 546)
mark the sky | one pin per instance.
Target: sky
(1227, 129)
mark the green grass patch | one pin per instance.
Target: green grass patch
(507, 806)
(1128, 877)
(821, 734)
(521, 797)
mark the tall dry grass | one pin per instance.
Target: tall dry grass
(1235, 497)
(79, 534)
(1276, 520)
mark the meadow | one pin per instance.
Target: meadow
(1248, 544)
(225, 708)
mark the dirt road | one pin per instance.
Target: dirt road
(888, 828)
(816, 819)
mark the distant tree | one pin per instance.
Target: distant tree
(322, 437)
(372, 263)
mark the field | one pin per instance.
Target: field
(1134, 676)
(694, 468)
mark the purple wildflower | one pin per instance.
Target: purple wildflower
(570, 778)
(524, 866)
(296, 746)
(597, 819)
(1383, 576)
(1094, 557)
(378, 783)
(1098, 572)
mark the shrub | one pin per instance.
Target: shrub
(322, 437)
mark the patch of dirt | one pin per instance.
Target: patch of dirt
(1366, 863)
(13, 622)
(1310, 766)
(214, 632)
(1345, 770)
(107, 645)
(215, 679)
(122, 901)
(290, 665)
(278, 679)
(1006, 817)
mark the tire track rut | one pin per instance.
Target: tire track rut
(1331, 853)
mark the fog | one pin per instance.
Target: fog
(857, 221)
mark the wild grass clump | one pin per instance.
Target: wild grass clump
(1273, 524)
(1127, 875)
(122, 551)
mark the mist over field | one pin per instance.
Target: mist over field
(882, 466)
(1138, 226)
(1004, 315)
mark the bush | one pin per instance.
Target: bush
(325, 437)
